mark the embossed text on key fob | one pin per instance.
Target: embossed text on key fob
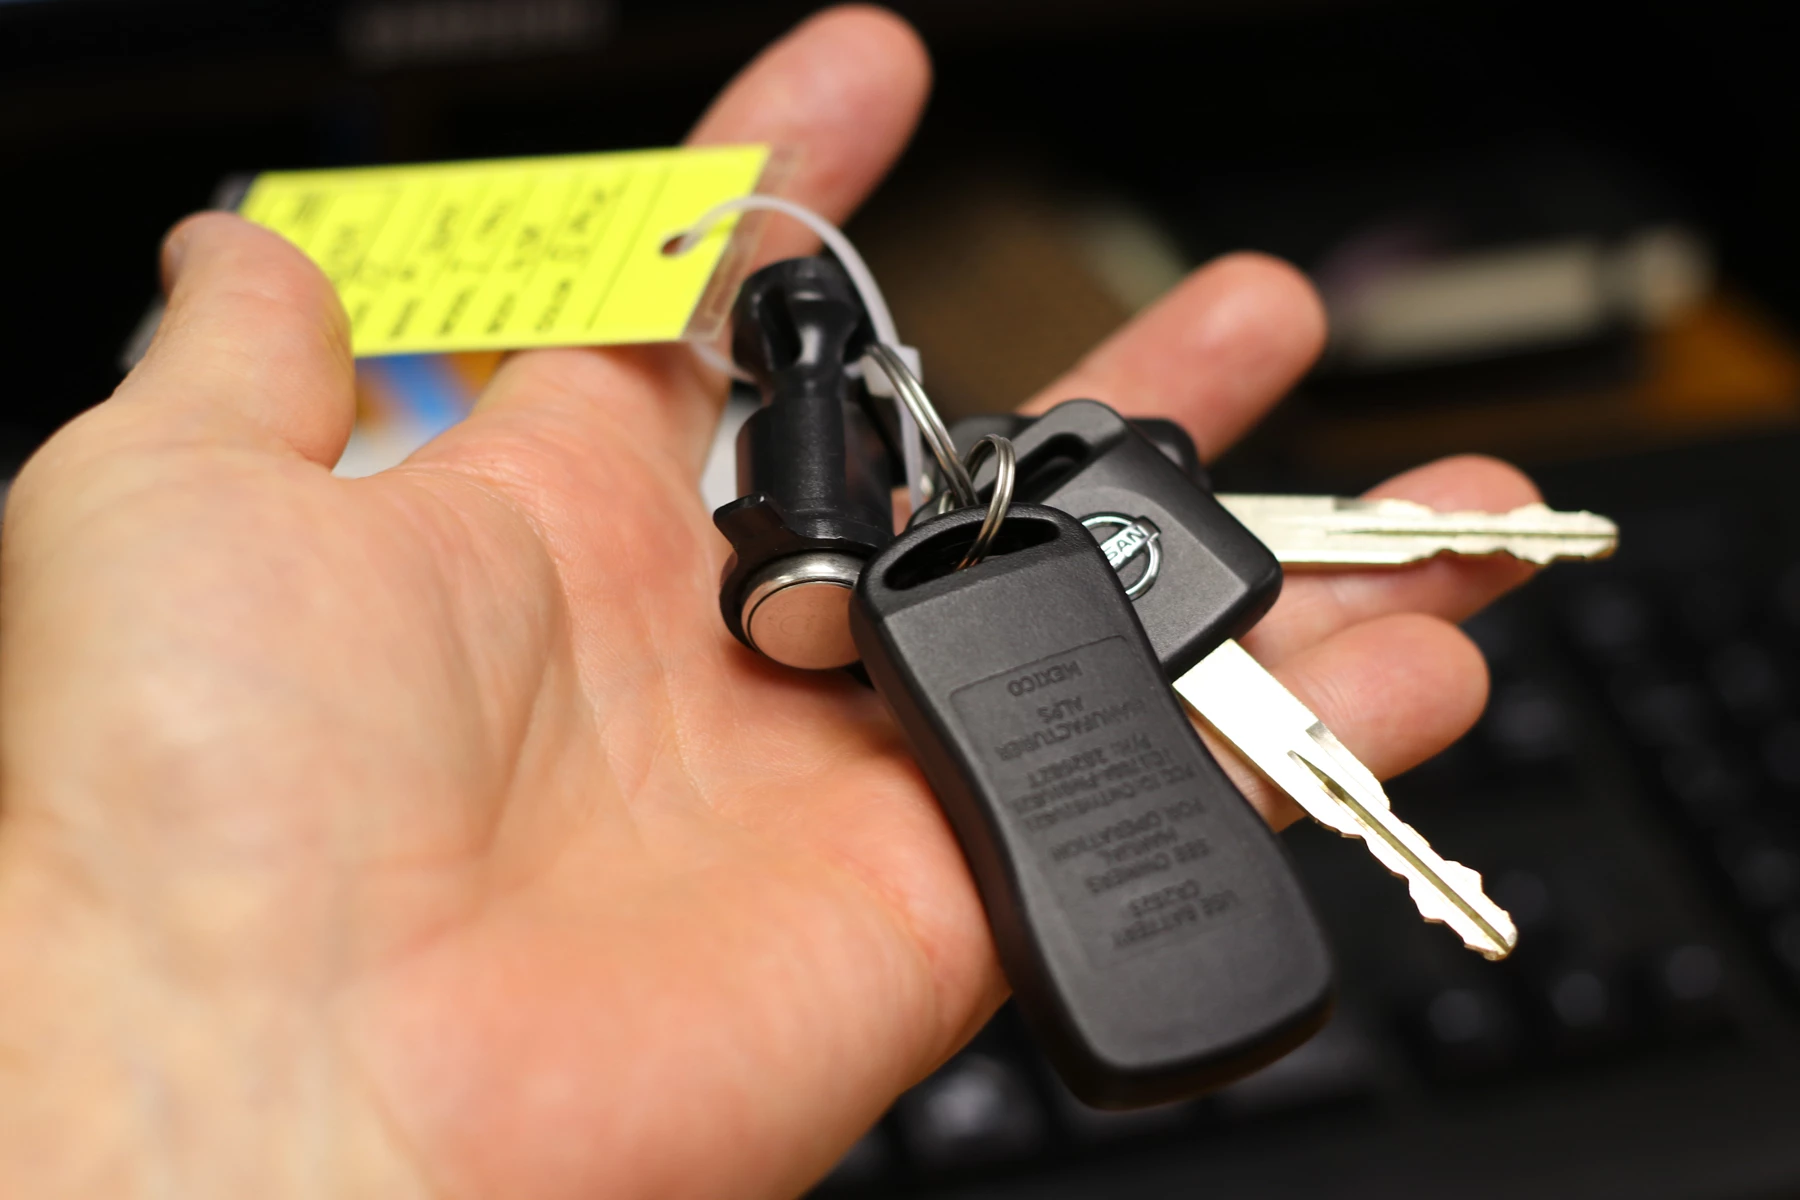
(1150, 923)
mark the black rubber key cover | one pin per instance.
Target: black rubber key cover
(1150, 923)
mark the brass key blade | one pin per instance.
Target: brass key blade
(1282, 738)
(1335, 531)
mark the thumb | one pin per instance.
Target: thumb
(254, 347)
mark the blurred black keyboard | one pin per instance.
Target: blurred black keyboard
(1632, 796)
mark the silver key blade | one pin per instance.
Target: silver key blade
(1335, 531)
(1268, 725)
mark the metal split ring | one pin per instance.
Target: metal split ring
(931, 426)
(1006, 474)
(958, 472)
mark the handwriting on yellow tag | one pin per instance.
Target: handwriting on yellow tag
(512, 253)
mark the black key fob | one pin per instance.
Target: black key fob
(1195, 573)
(1150, 923)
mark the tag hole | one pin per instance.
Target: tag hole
(672, 247)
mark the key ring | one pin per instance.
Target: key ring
(931, 426)
(959, 473)
(1006, 473)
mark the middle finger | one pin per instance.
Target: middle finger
(1216, 354)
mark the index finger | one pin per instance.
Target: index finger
(844, 90)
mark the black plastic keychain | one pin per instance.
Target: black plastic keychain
(1151, 925)
(812, 464)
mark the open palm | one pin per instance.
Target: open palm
(428, 835)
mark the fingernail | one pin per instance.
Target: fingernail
(174, 253)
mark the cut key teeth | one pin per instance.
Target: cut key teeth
(1335, 531)
(1279, 735)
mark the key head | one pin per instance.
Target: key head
(1196, 574)
(1150, 923)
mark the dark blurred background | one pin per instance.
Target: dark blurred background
(1559, 232)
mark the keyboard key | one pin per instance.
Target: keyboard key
(1765, 873)
(1784, 939)
(977, 1109)
(1661, 710)
(1781, 753)
(1687, 987)
(1787, 595)
(1712, 607)
(1609, 620)
(1586, 1006)
(1692, 973)
(1527, 725)
(1711, 786)
(1468, 1031)
(1747, 679)
(1688, 541)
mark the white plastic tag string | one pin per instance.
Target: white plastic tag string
(912, 448)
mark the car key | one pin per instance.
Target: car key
(1178, 551)
(1151, 924)
(1343, 531)
(1335, 531)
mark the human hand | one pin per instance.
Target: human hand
(427, 834)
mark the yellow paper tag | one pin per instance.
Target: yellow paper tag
(512, 253)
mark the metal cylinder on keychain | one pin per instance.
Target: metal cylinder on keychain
(812, 466)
